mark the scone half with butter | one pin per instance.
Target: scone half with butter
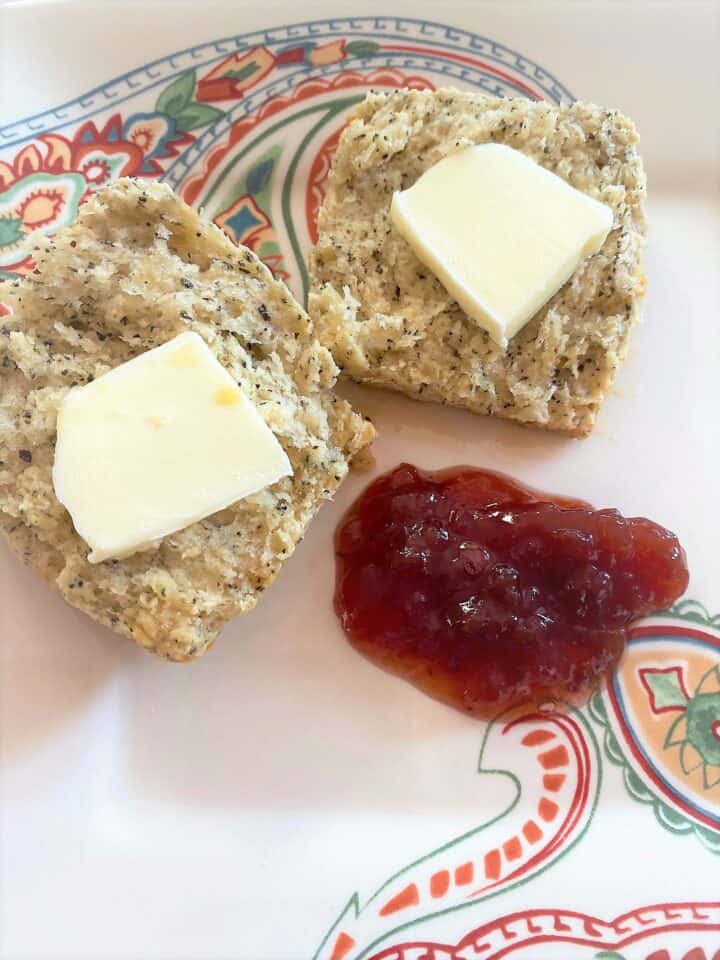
(386, 293)
(199, 431)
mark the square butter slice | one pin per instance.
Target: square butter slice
(156, 444)
(501, 233)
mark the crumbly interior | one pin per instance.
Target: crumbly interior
(137, 268)
(390, 322)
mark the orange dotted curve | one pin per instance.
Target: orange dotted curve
(409, 897)
(554, 781)
(532, 832)
(536, 738)
(343, 945)
(439, 884)
(512, 849)
(547, 809)
(553, 758)
(493, 864)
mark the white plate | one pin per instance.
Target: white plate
(232, 808)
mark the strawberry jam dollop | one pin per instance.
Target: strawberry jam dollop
(485, 593)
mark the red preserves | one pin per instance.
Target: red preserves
(484, 592)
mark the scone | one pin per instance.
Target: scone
(390, 322)
(137, 268)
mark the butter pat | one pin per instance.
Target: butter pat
(501, 233)
(155, 445)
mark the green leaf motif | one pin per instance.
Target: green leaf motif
(609, 955)
(613, 748)
(711, 777)
(710, 838)
(666, 689)
(361, 48)
(709, 681)
(10, 231)
(197, 115)
(690, 759)
(670, 819)
(677, 732)
(178, 95)
(259, 175)
(247, 71)
(703, 716)
(268, 249)
(636, 787)
(693, 611)
(597, 708)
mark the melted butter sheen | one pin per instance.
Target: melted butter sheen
(486, 593)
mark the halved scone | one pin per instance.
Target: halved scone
(390, 322)
(137, 268)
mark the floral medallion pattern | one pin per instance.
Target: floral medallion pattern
(226, 124)
(661, 713)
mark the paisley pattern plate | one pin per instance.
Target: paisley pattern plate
(246, 127)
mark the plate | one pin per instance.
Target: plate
(282, 799)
